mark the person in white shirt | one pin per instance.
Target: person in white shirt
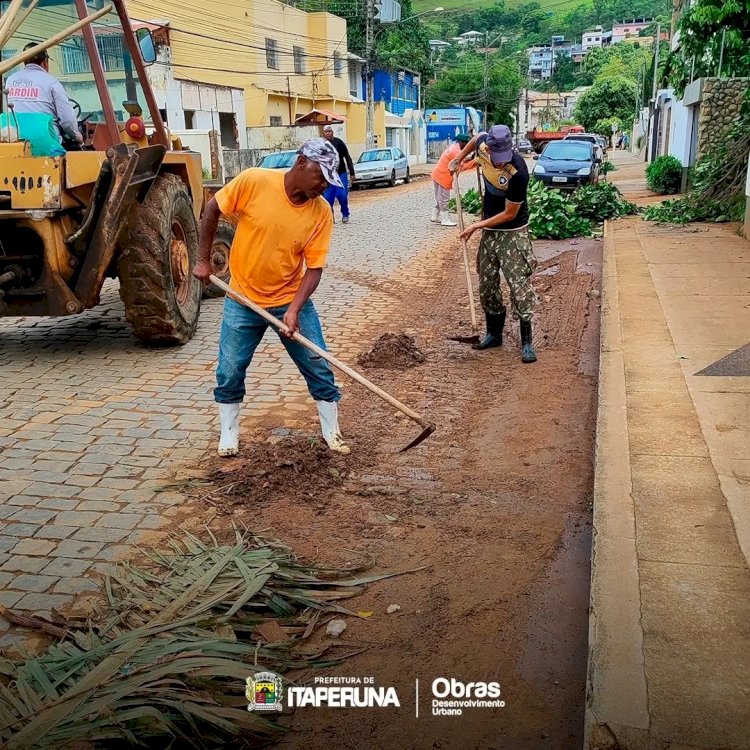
(35, 90)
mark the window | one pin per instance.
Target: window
(272, 53)
(299, 59)
(75, 58)
(275, 121)
(338, 65)
(189, 119)
(353, 78)
(7, 54)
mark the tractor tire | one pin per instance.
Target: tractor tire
(220, 250)
(162, 297)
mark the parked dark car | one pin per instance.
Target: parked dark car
(589, 138)
(566, 164)
(524, 147)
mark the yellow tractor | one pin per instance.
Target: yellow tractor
(123, 201)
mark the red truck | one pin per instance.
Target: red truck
(539, 138)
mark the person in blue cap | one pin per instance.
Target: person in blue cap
(505, 248)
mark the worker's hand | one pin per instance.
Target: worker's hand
(202, 271)
(453, 166)
(291, 319)
(78, 137)
(466, 234)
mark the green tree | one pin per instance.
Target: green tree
(624, 60)
(608, 97)
(604, 127)
(464, 85)
(702, 27)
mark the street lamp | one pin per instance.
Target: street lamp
(369, 44)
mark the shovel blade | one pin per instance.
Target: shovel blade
(422, 436)
(465, 339)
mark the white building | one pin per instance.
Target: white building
(187, 105)
(544, 57)
(592, 38)
(471, 38)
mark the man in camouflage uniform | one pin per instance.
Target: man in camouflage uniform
(505, 247)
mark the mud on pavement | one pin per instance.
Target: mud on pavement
(496, 504)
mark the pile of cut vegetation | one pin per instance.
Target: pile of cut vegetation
(164, 661)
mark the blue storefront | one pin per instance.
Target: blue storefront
(445, 124)
(399, 89)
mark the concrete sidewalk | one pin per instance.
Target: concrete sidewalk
(669, 661)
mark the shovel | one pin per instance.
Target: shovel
(474, 338)
(427, 427)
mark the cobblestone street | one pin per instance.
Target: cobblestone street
(92, 422)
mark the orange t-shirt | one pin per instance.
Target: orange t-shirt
(441, 174)
(275, 238)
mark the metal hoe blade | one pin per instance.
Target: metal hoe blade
(422, 436)
(465, 339)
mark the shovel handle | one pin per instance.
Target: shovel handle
(300, 339)
(465, 249)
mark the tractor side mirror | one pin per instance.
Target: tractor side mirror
(146, 45)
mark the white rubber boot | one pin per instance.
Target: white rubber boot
(445, 220)
(435, 215)
(328, 412)
(229, 442)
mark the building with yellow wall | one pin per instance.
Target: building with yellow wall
(285, 61)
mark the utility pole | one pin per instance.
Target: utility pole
(369, 84)
(486, 75)
(289, 99)
(656, 59)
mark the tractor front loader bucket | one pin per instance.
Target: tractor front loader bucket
(131, 172)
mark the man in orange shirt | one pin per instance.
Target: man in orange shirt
(277, 261)
(442, 180)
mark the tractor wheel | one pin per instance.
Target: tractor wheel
(162, 297)
(220, 256)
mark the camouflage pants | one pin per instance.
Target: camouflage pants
(507, 252)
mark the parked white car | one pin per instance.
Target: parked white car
(381, 165)
(280, 160)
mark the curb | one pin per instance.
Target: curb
(616, 691)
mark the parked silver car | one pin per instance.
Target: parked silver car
(381, 165)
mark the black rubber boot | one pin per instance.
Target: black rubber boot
(494, 336)
(528, 354)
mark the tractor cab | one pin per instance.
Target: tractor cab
(122, 200)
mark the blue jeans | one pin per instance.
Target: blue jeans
(342, 193)
(241, 332)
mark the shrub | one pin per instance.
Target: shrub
(601, 201)
(664, 175)
(471, 202)
(553, 216)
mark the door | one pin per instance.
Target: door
(401, 162)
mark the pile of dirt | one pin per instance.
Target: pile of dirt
(392, 351)
(298, 466)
